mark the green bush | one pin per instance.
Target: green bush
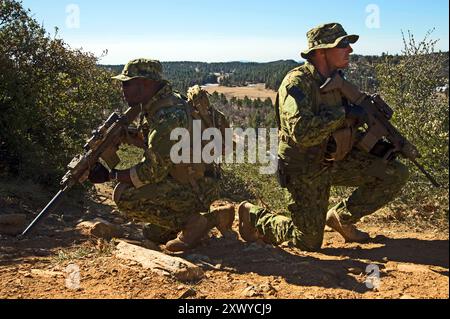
(409, 85)
(51, 97)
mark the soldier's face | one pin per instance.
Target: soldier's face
(339, 58)
(132, 91)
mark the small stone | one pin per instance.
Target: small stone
(190, 292)
(251, 291)
(100, 228)
(267, 288)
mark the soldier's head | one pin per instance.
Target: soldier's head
(141, 80)
(329, 44)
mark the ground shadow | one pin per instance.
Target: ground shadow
(302, 270)
(56, 231)
(408, 250)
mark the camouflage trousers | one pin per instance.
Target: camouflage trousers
(377, 183)
(166, 206)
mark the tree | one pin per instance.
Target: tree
(408, 83)
(51, 96)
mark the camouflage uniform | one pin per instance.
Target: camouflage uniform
(307, 120)
(156, 197)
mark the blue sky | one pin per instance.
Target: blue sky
(231, 30)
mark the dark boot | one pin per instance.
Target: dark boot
(222, 218)
(348, 231)
(194, 230)
(247, 231)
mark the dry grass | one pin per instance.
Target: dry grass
(252, 92)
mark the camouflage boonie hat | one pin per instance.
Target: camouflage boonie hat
(141, 68)
(327, 36)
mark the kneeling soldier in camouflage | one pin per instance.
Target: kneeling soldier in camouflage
(316, 151)
(169, 197)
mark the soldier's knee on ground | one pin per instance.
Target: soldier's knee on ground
(308, 242)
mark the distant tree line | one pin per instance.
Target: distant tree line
(182, 75)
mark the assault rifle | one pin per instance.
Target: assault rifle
(379, 125)
(103, 144)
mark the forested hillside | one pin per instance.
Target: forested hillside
(185, 74)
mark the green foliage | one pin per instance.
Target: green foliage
(409, 84)
(244, 182)
(246, 112)
(51, 97)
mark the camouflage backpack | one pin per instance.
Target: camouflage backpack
(202, 109)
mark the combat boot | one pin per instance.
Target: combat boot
(247, 231)
(348, 231)
(222, 218)
(195, 229)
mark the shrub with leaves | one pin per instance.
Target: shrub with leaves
(51, 97)
(409, 85)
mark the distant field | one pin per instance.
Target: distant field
(252, 92)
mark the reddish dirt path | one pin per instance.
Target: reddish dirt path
(410, 264)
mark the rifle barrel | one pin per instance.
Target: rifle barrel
(428, 175)
(50, 206)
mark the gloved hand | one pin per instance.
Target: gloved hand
(357, 114)
(99, 174)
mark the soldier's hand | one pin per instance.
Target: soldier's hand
(99, 174)
(357, 114)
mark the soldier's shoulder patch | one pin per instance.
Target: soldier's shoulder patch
(296, 93)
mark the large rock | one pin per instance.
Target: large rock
(100, 228)
(12, 224)
(159, 263)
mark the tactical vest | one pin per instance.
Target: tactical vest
(342, 139)
(197, 107)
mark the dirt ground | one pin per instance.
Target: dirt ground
(399, 263)
(252, 91)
